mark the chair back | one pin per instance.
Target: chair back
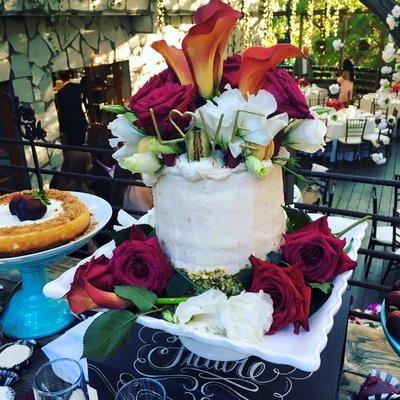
(396, 213)
(395, 113)
(355, 128)
(374, 106)
(374, 211)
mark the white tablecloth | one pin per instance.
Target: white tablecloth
(367, 100)
(337, 129)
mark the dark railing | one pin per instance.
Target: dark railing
(310, 174)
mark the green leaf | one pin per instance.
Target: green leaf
(245, 277)
(120, 236)
(141, 297)
(274, 258)
(296, 219)
(178, 285)
(107, 334)
(148, 230)
(325, 287)
(318, 299)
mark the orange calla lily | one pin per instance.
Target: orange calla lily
(202, 48)
(257, 60)
(176, 60)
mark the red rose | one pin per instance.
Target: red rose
(287, 93)
(230, 71)
(162, 100)
(290, 295)
(155, 82)
(318, 253)
(93, 287)
(139, 261)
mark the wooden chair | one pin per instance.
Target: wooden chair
(385, 235)
(354, 135)
(395, 233)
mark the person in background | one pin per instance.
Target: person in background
(72, 119)
(346, 81)
(303, 65)
(78, 162)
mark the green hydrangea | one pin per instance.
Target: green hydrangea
(217, 279)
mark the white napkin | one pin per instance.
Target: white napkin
(70, 345)
(378, 158)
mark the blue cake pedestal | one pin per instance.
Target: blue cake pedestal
(30, 314)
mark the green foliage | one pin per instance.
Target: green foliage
(325, 287)
(296, 219)
(107, 334)
(141, 297)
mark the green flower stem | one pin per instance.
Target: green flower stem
(171, 300)
(349, 228)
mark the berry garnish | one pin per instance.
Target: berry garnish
(29, 206)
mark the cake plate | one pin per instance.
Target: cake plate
(301, 351)
(29, 314)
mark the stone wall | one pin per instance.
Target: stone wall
(31, 49)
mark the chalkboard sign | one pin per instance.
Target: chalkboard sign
(157, 354)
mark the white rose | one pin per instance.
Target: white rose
(247, 316)
(337, 44)
(334, 88)
(396, 11)
(124, 131)
(389, 53)
(396, 77)
(251, 116)
(142, 163)
(202, 312)
(386, 70)
(383, 102)
(391, 21)
(306, 135)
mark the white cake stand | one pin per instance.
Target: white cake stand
(29, 314)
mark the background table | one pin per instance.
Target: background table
(368, 99)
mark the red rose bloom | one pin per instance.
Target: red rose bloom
(139, 261)
(155, 82)
(317, 252)
(93, 287)
(290, 295)
(162, 100)
(230, 71)
(287, 93)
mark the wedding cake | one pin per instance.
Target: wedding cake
(208, 216)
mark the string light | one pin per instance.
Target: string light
(328, 16)
(335, 18)
(246, 25)
(294, 20)
(268, 19)
(309, 23)
(160, 16)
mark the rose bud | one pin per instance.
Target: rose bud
(393, 298)
(393, 324)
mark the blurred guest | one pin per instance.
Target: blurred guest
(77, 162)
(72, 120)
(346, 81)
(303, 65)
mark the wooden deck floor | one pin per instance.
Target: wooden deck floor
(358, 197)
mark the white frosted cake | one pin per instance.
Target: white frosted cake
(208, 216)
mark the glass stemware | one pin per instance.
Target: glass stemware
(60, 379)
(142, 389)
